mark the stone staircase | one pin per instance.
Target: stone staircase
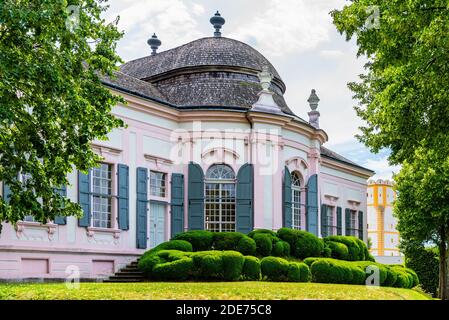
(130, 273)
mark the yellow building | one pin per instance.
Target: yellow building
(381, 222)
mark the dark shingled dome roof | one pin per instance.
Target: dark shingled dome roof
(209, 72)
(216, 51)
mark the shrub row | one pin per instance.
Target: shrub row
(326, 270)
(202, 240)
(208, 265)
(278, 269)
(283, 243)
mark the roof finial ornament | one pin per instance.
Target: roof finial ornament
(314, 115)
(217, 21)
(154, 44)
(266, 103)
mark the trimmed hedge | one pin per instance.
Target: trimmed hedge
(302, 244)
(226, 240)
(336, 271)
(264, 244)
(325, 270)
(274, 269)
(233, 262)
(179, 270)
(357, 249)
(281, 249)
(338, 250)
(251, 268)
(201, 240)
(278, 269)
(246, 246)
(208, 264)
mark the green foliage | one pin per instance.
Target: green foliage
(338, 250)
(233, 262)
(308, 245)
(264, 231)
(208, 264)
(201, 240)
(53, 104)
(425, 262)
(251, 268)
(246, 246)
(302, 244)
(404, 102)
(274, 269)
(180, 245)
(281, 249)
(357, 249)
(178, 270)
(336, 271)
(263, 243)
(298, 272)
(226, 240)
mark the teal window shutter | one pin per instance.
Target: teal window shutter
(347, 221)
(244, 199)
(6, 193)
(361, 225)
(287, 199)
(62, 191)
(324, 228)
(84, 199)
(123, 196)
(339, 222)
(142, 208)
(196, 197)
(312, 205)
(177, 203)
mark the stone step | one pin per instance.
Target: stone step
(130, 269)
(122, 280)
(126, 275)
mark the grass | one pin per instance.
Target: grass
(204, 290)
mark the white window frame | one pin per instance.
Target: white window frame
(221, 184)
(111, 195)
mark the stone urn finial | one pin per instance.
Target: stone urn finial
(154, 44)
(265, 78)
(313, 100)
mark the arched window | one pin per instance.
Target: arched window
(220, 198)
(296, 200)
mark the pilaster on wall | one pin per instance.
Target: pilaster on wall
(314, 159)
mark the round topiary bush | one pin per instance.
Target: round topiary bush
(306, 275)
(251, 268)
(201, 240)
(281, 249)
(148, 262)
(247, 246)
(264, 231)
(338, 250)
(308, 245)
(178, 270)
(208, 264)
(327, 270)
(274, 269)
(356, 247)
(180, 245)
(233, 262)
(294, 272)
(414, 277)
(226, 240)
(290, 236)
(263, 244)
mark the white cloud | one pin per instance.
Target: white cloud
(288, 26)
(383, 169)
(332, 54)
(174, 21)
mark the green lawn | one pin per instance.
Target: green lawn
(203, 290)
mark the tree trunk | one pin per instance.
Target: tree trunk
(443, 288)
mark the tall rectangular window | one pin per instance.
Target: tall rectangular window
(329, 225)
(102, 196)
(353, 230)
(157, 184)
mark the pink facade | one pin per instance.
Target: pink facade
(164, 139)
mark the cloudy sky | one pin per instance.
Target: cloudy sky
(297, 36)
